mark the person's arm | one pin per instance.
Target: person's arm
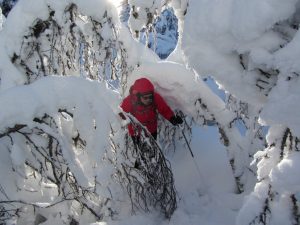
(164, 109)
(126, 107)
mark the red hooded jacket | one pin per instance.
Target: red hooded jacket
(146, 115)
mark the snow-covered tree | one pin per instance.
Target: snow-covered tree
(64, 66)
(90, 41)
(58, 137)
(52, 151)
(7, 5)
(163, 39)
(251, 58)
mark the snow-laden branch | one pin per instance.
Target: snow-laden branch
(57, 147)
(63, 39)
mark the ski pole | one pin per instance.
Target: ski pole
(193, 157)
(180, 114)
(192, 154)
(186, 141)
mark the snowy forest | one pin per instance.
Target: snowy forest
(230, 69)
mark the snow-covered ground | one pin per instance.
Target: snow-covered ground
(204, 184)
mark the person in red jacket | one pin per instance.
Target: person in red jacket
(144, 104)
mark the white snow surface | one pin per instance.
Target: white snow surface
(225, 28)
(280, 109)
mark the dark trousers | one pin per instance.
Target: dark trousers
(137, 140)
(145, 150)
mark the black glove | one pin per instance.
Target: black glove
(175, 120)
(123, 117)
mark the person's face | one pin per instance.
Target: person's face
(147, 99)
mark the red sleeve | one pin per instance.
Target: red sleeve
(163, 107)
(126, 104)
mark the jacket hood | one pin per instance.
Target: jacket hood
(142, 86)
